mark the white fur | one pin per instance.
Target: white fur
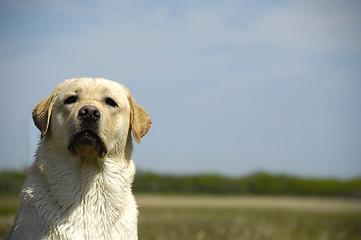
(65, 197)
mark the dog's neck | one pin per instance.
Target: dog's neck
(100, 184)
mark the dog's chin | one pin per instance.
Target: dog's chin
(87, 144)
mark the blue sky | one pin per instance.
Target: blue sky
(232, 87)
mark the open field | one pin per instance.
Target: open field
(217, 217)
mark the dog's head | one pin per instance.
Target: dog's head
(91, 117)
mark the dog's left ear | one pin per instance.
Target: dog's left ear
(42, 113)
(139, 120)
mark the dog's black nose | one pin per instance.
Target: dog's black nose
(89, 113)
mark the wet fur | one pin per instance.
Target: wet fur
(71, 195)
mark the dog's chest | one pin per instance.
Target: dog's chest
(103, 209)
(91, 219)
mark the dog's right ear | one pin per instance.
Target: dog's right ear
(42, 113)
(139, 120)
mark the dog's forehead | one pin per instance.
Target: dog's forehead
(93, 87)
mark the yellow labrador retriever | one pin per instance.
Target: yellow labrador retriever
(79, 186)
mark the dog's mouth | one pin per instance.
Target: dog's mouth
(87, 143)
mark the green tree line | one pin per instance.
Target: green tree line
(260, 183)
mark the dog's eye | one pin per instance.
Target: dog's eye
(111, 102)
(71, 100)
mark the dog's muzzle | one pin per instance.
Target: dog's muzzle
(86, 141)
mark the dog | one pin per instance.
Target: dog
(79, 186)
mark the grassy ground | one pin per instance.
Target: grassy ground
(266, 218)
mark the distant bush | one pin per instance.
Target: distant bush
(11, 182)
(255, 184)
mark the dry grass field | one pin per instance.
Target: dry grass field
(246, 218)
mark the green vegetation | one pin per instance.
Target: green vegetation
(254, 184)
(246, 224)
(236, 217)
(11, 182)
(259, 206)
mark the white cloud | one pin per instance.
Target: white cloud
(315, 25)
